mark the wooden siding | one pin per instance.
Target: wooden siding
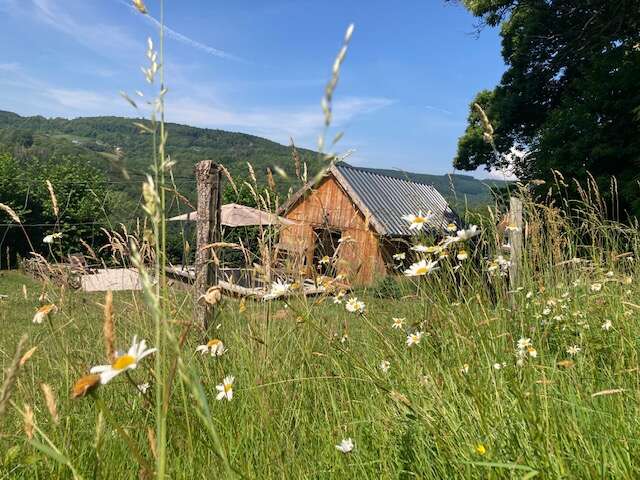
(327, 205)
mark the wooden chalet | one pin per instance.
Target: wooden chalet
(353, 217)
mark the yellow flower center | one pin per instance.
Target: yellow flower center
(227, 387)
(213, 343)
(421, 270)
(123, 362)
(419, 220)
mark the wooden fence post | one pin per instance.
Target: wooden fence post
(208, 223)
(515, 240)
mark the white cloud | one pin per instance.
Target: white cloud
(216, 52)
(302, 122)
(98, 36)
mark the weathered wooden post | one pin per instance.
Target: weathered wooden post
(208, 224)
(515, 240)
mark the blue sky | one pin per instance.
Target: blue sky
(260, 66)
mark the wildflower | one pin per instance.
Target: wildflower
(462, 255)
(573, 350)
(610, 273)
(420, 248)
(529, 295)
(278, 289)
(452, 227)
(480, 449)
(215, 347)
(596, 287)
(84, 385)
(424, 380)
(225, 389)
(398, 323)
(344, 338)
(533, 353)
(143, 387)
(384, 366)
(607, 325)
(421, 268)
(627, 280)
(43, 312)
(52, 237)
(400, 256)
(354, 305)
(418, 221)
(464, 369)
(546, 311)
(325, 260)
(122, 363)
(499, 366)
(414, 339)
(469, 233)
(523, 343)
(346, 445)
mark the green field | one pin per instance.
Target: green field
(455, 405)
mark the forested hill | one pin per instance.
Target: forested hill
(111, 142)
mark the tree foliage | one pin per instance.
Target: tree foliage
(82, 198)
(569, 95)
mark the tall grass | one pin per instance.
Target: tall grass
(539, 379)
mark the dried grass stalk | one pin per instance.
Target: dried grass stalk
(28, 354)
(28, 421)
(11, 376)
(108, 328)
(54, 199)
(50, 400)
(10, 212)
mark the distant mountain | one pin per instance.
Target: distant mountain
(112, 142)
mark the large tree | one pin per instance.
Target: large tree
(570, 94)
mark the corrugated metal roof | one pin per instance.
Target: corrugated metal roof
(389, 195)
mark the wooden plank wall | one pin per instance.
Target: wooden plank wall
(328, 204)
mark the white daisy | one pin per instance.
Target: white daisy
(354, 305)
(421, 268)
(214, 347)
(573, 350)
(125, 362)
(52, 237)
(418, 221)
(398, 323)
(278, 289)
(143, 387)
(420, 248)
(43, 312)
(414, 339)
(225, 389)
(400, 256)
(346, 445)
(384, 366)
(466, 234)
(462, 255)
(607, 325)
(596, 287)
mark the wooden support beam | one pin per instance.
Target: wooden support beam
(208, 224)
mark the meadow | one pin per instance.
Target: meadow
(538, 381)
(454, 368)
